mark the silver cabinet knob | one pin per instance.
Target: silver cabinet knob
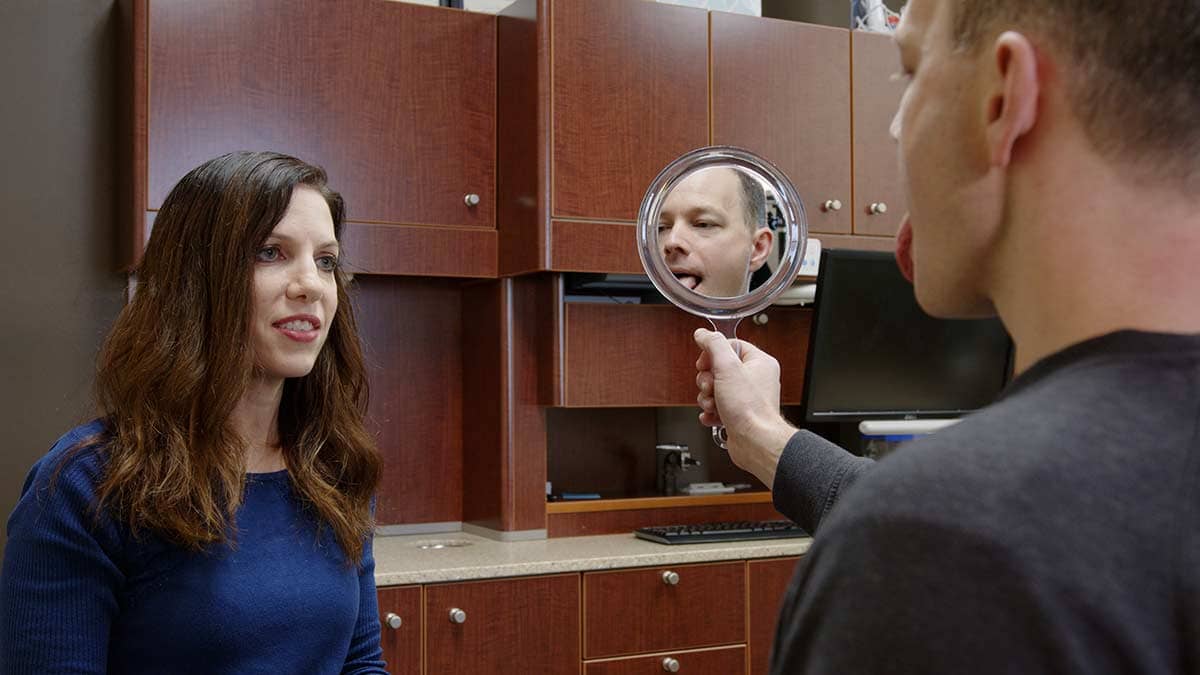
(472, 199)
(761, 319)
(393, 620)
(671, 665)
(458, 616)
(670, 578)
(878, 208)
(832, 205)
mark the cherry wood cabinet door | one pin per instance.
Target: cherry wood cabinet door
(782, 89)
(396, 101)
(769, 580)
(629, 94)
(523, 626)
(635, 355)
(723, 661)
(400, 622)
(662, 608)
(879, 201)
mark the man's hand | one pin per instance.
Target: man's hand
(742, 392)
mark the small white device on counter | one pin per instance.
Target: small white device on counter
(707, 489)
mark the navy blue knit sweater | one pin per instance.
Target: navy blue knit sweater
(78, 594)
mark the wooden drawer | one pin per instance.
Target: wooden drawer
(637, 611)
(723, 661)
(401, 643)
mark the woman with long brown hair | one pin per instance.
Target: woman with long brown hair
(217, 517)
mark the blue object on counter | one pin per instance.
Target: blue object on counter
(580, 495)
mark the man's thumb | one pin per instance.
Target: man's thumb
(718, 348)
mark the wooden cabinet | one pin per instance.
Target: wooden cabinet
(631, 355)
(520, 626)
(721, 661)
(629, 94)
(402, 116)
(782, 89)
(768, 582)
(400, 618)
(710, 621)
(876, 165)
(676, 608)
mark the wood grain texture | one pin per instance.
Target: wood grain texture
(401, 646)
(533, 324)
(617, 522)
(132, 97)
(706, 608)
(876, 167)
(420, 250)
(514, 626)
(723, 661)
(411, 331)
(402, 116)
(604, 450)
(594, 247)
(782, 89)
(644, 355)
(522, 231)
(630, 93)
(768, 581)
(484, 345)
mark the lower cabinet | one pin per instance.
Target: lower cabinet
(700, 619)
(720, 661)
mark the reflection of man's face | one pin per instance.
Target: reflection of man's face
(704, 236)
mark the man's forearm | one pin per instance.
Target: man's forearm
(811, 474)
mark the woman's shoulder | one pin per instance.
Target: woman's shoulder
(76, 460)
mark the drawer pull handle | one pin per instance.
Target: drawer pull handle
(671, 665)
(458, 616)
(670, 578)
(877, 209)
(832, 205)
(393, 620)
(471, 199)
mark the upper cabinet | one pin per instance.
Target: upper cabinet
(782, 89)
(879, 202)
(629, 94)
(396, 101)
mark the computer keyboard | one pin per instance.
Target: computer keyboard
(729, 531)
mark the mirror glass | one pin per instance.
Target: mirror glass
(721, 233)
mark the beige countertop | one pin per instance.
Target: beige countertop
(409, 559)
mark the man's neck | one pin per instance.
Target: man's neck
(1099, 254)
(256, 419)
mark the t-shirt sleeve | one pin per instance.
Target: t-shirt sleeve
(908, 596)
(811, 475)
(61, 576)
(365, 654)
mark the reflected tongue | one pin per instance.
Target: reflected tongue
(904, 249)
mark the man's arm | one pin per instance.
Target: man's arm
(811, 475)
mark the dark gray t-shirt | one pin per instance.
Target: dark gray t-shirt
(1057, 531)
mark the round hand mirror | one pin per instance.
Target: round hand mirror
(721, 233)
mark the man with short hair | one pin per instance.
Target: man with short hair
(1051, 154)
(712, 231)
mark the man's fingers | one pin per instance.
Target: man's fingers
(704, 382)
(717, 347)
(710, 419)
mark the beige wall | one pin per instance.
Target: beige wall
(58, 289)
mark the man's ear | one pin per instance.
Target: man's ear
(763, 239)
(1012, 95)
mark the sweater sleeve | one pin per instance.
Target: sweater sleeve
(61, 578)
(812, 472)
(365, 654)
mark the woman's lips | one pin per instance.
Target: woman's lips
(904, 249)
(299, 335)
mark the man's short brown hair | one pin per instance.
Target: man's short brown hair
(1132, 71)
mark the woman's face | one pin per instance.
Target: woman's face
(295, 290)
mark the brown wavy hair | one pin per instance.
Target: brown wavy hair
(179, 359)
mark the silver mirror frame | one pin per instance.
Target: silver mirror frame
(791, 208)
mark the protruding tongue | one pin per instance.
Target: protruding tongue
(904, 249)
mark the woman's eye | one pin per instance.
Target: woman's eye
(267, 254)
(327, 263)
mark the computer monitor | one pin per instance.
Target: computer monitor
(874, 354)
